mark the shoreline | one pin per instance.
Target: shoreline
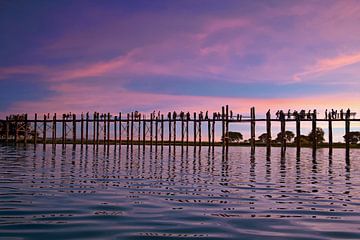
(178, 143)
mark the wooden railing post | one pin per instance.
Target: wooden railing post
(74, 128)
(87, 129)
(268, 129)
(314, 142)
(44, 130)
(7, 129)
(35, 129)
(53, 135)
(26, 128)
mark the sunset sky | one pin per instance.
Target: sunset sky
(111, 56)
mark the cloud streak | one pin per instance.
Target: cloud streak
(326, 65)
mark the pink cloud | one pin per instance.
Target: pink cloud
(328, 64)
(6, 72)
(213, 26)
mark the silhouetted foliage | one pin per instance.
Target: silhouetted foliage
(303, 139)
(353, 137)
(319, 134)
(263, 138)
(233, 137)
(289, 135)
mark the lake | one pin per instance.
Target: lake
(177, 193)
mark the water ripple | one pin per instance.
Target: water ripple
(177, 193)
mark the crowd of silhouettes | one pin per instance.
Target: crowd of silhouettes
(335, 114)
(202, 116)
(302, 114)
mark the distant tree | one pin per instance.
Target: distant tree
(353, 137)
(319, 134)
(263, 138)
(303, 139)
(289, 135)
(233, 137)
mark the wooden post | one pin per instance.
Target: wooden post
(104, 127)
(330, 134)
(87, 129)
(314, 143)
(94, 128)
(174, 129)
(115, 130)
(162, 129)
(213, 131)
(7, 129)
(227, 124)
(108, 128)
(16, 128)
(127, 129)
(44, 130)
(182, 130)
(187, 131)
(120, 129)
(169, 130)
(199, 131)
(283, 139)
(347, 132)
(298, 133)
(35, 129)
(139, 129)
(252, 115)
(53, 137)
(144, 130)
(26, 128)
(223, 136)
(97, 128)
(156, 130)
(151, 128)
(132, 128)
(209, 131)
(268, 129)
(195, 133)
(63, 130)
(82, 129)
(74, 128)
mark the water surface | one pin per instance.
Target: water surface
(177, 193)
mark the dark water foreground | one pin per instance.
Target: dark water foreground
(74, 193)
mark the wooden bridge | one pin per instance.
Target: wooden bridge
(135, 128)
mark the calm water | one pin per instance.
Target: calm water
(74, 193)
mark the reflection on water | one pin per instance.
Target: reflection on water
(178, 192)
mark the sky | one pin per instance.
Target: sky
(112, 56)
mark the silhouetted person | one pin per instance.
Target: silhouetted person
(282, 115)
(348, 113)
